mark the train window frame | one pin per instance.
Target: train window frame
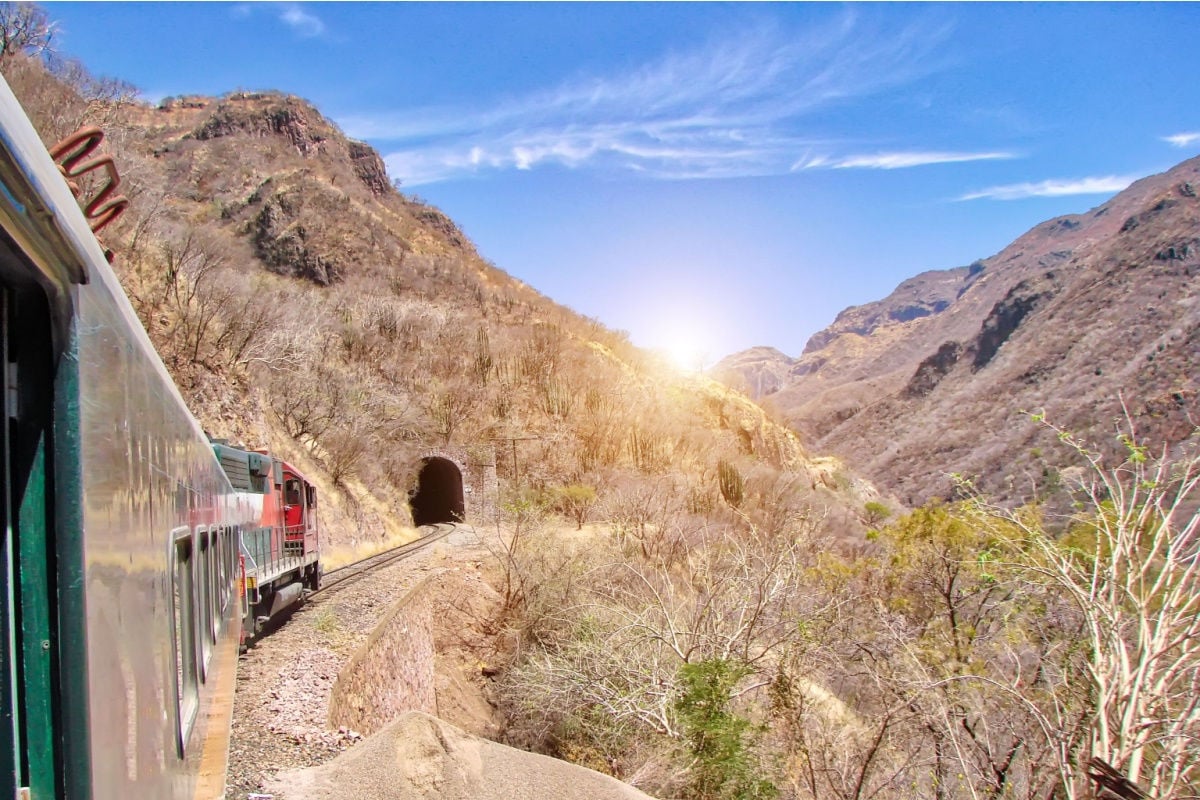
(183, 636)
(232, 554)
(235, 562)
(203, 602)
(293, 491)
(214, 601)
(223, 573)
(214, 585)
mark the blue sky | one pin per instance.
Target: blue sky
(707, 176)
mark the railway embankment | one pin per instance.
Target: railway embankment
(379, 690)
(412, 623)
(392, 671)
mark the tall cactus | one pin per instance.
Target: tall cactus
(483, 355)
(557, 397)
(733, 487)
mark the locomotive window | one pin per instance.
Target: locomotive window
(183, 636)
(292, 492)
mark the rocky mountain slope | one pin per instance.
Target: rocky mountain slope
(1077, 316)
(305, 305)
(759, 372)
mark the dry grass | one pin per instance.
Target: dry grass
(339, 555)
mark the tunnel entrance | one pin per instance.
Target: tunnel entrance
(439, 496)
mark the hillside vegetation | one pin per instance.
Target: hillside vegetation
(304, 304)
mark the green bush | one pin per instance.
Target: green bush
(717, 739)
(573, 500)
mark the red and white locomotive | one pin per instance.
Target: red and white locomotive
(279, 555)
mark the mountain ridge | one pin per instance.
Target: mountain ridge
(1053, 315)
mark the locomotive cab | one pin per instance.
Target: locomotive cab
(293, 504)
(299, 512)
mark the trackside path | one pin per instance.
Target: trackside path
(284, 680)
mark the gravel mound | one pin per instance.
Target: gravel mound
(419, 757)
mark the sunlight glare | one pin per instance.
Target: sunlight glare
(686, 351)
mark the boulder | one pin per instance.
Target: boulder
(419, 757)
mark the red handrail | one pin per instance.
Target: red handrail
(69, 154)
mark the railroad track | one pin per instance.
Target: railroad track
(341, 575)
(351, 572)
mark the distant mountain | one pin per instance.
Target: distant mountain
(759, 371)
(1078, 315)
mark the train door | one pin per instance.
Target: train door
(31, 758)
(293, 502)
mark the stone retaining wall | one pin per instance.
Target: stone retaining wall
(392, 672)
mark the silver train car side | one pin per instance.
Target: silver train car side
(118, 591)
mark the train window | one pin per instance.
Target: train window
(203, 601)
(226, 571)
(223, 569)
(233, 553)
(292, 492)
(210, 584)
(214, 574)
(214, 586)
(183, 635)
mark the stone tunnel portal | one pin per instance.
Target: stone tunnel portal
(439, 496)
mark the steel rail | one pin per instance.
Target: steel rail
(350, 572)
(360, 568)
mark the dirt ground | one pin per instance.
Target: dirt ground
(468, 641)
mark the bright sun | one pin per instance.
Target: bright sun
(686, 351)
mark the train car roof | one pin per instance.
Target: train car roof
(286, 466)
(295, 472)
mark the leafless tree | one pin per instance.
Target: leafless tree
(617, 659)
(1128, 564)
(24, 28)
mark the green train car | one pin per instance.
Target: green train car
(119, 560)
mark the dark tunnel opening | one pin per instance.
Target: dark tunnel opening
(439, 496)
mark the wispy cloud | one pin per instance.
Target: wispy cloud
(736, 107)
(302, 23)
(896, 160)
(305, 25)
(1107, 184)
(1182, 139)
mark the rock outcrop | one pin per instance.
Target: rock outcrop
(759, 371)
(419, 757)
(268, 115)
